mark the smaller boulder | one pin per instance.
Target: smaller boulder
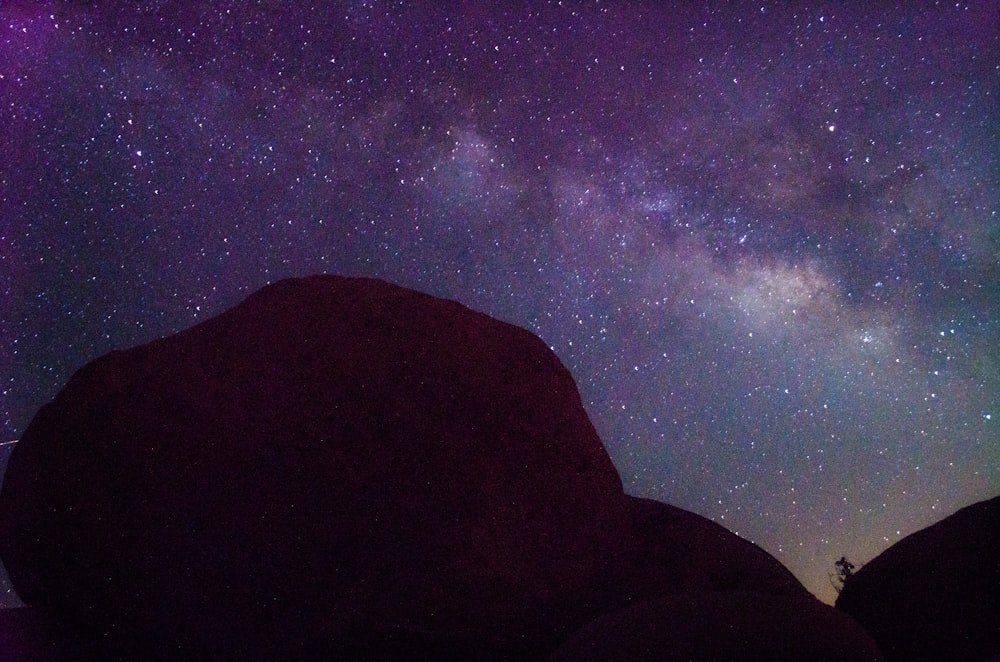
(722, 625)
(935, 594)
(678, 551)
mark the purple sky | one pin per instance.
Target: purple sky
(764, 238)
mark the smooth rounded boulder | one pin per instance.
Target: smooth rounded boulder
(722, 625)
(694, 590)
(335, 466)
(935, 594)
(678, 551)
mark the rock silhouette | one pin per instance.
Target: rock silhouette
(341, 468)
(333, 460)
(696, 591)
(722, 625)
(935, 594)
(682, 552)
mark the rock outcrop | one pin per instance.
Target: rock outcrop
(722, 625)
(681, 552)
(696, 591)
(342, 468)
(935, 594)
(334, 465)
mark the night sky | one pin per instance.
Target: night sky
(764, 238)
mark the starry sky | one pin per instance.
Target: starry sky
(765, 238)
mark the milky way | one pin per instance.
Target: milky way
(765, 239)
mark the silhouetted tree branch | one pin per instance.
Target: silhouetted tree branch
(844, 571)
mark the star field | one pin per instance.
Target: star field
(765, 239)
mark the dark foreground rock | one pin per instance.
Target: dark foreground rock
(935, 595)
(681, 552)
(26, 636)
(696, 591)
(345, 469)
(334, 467)
(727, 625)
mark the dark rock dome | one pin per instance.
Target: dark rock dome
(722, 625)
(335, 464)
(935, 594)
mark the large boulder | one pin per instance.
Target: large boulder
(334, 467)
(935, 594)
(722, 625)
